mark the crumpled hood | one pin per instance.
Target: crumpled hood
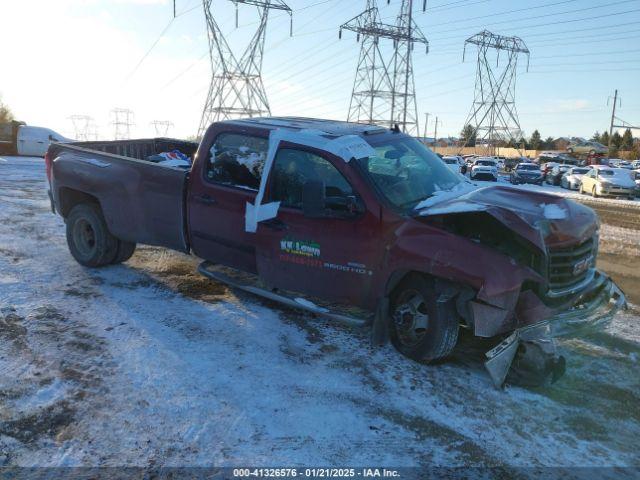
(540, 218)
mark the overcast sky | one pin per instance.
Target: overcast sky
(66, 57)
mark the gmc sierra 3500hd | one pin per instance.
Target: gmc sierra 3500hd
(337, 218)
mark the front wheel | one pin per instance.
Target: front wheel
(421, 327)
(88, 238)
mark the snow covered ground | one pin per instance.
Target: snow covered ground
(148, 364)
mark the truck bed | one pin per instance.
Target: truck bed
(142, 201)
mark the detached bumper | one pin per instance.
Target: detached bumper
(591, 311)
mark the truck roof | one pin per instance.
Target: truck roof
(332, 127)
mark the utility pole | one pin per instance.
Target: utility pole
(426, 123)
(435, 136)
(613, 117)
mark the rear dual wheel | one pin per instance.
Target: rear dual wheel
(90, 241)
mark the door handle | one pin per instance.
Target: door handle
(275, 224)
(204, 199)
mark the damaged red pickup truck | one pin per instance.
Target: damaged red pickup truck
(356, 222)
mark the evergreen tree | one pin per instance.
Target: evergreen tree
(536, 140)
(627, 140)
(596, 137)
(616, 140)
(468, 136)
(548, 143)
(604, 138)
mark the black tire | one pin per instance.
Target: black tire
(594, 194)
(124, 251)
(420, 327)
(88, 238)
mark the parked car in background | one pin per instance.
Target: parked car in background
(573, 177)
(510, 163)
(454, 164)
(547, 167)
(589, 147)
(635, 164)
(606, 181)
(500, 162)
(18, 138)
(555, 175)
(636, 178)
(526, 173)
(625, 164)
(484, 168)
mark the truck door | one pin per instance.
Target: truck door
(219, 191)
(333, 257)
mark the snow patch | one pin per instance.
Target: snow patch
(553, 212)
(440, 196)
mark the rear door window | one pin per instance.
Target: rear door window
(237, 160)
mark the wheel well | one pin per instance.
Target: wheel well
(69, 198)
(460, 292)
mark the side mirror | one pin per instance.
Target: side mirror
(313, 199)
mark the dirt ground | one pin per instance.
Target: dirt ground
(624, 264)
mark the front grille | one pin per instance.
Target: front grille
(569, 266)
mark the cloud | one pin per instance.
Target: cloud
(566, 105)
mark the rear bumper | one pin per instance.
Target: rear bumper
(590, 311)
(483, 175)
(528, 179)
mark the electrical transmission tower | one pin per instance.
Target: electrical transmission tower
(162, 127)
(83, 126)
(384, 90)
(122, 122)
(493, 113)
(236, 88)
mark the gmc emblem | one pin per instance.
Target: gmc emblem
(582, 265)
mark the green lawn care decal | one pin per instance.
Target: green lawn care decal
(300, 247)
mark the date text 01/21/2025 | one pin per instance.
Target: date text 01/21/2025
(315, 473)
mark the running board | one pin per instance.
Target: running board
(247, 283)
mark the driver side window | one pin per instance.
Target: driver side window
(293, 168)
